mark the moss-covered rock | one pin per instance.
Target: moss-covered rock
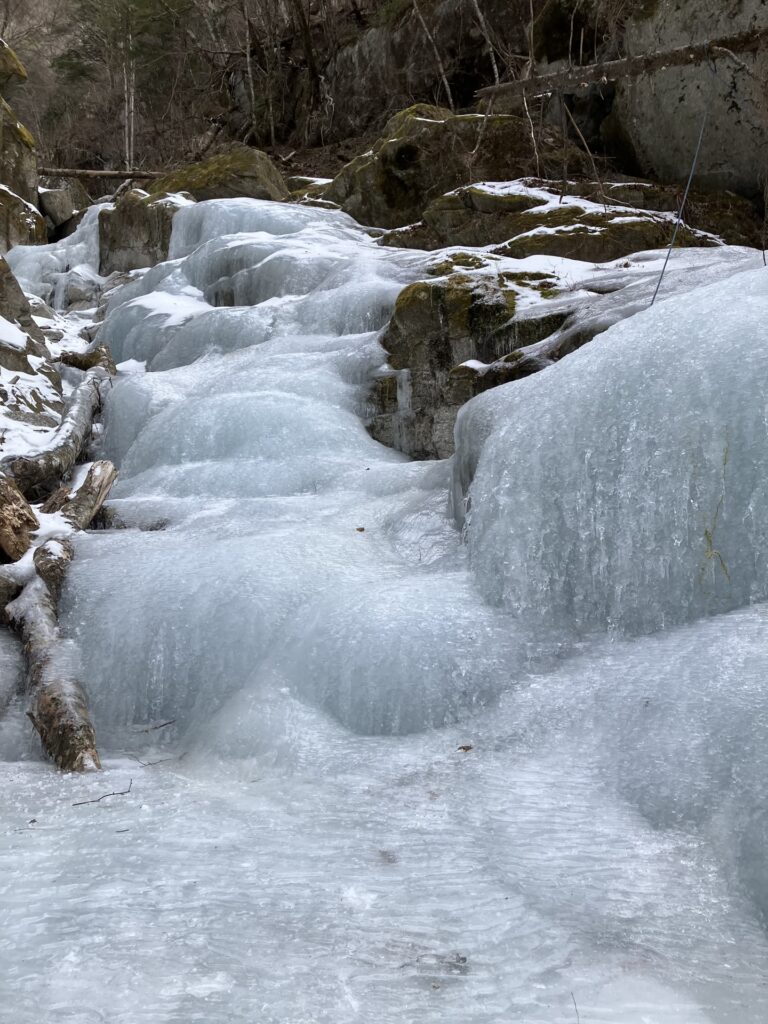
(427, 151)
(12, 71)
(18, 159)
(733, 218)
(436, 326)
(237, 172)
(528, 220)
(136, 233)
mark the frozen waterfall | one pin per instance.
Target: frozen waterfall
(385, 769)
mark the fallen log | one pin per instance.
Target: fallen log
(58, 706)
(572, 79)
(100, 356)
(40, 470)
(75, 172)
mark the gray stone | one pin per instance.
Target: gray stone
(658, 117)
(438, 325)
(136, 233)
(61, 200)
(20, 222)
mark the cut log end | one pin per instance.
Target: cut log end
(65, 728)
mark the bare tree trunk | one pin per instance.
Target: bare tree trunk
(438, 58)
(249, 69)
(309, 50)
(486, 35)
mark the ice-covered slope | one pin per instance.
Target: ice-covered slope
(627, 486)
(380, 796)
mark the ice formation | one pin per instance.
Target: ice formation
(383, 769)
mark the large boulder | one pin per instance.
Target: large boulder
(532, 218)
(61, 199)
(427, 151)
(14, 304)
(467, 312)
(20, 222)
(136, 233)
(238, 171)
(657, 118)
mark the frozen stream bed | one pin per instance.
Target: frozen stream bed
(369, 766)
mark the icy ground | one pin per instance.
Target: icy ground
(406, 778)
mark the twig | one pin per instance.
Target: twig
(150, 764)
(120, 792)
(527, 74)
(154, 728)
(682, 204)
(586, 146)
(578, 1018)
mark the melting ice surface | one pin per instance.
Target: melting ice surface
(406, 778)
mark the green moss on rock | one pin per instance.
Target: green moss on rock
(425, 152)
(238, 172)
(11, 68)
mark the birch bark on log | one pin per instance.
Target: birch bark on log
(58, 706)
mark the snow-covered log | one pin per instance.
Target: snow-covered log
(41, 469)
(58, 706)
(79, 506)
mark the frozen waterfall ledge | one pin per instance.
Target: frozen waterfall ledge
(58, 706)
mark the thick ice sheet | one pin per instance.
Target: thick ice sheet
(378, 796)
(626, 486)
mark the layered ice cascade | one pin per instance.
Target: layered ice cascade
(628, 486)
(363, 765)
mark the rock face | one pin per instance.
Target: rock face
(533, 217)
(386, 65)
(659, 116)
(18, 160)
(20, 220)
(426, 151)
(136, 233)
(12, 71)
(437, 326)
(239, 171)
(14, 305)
